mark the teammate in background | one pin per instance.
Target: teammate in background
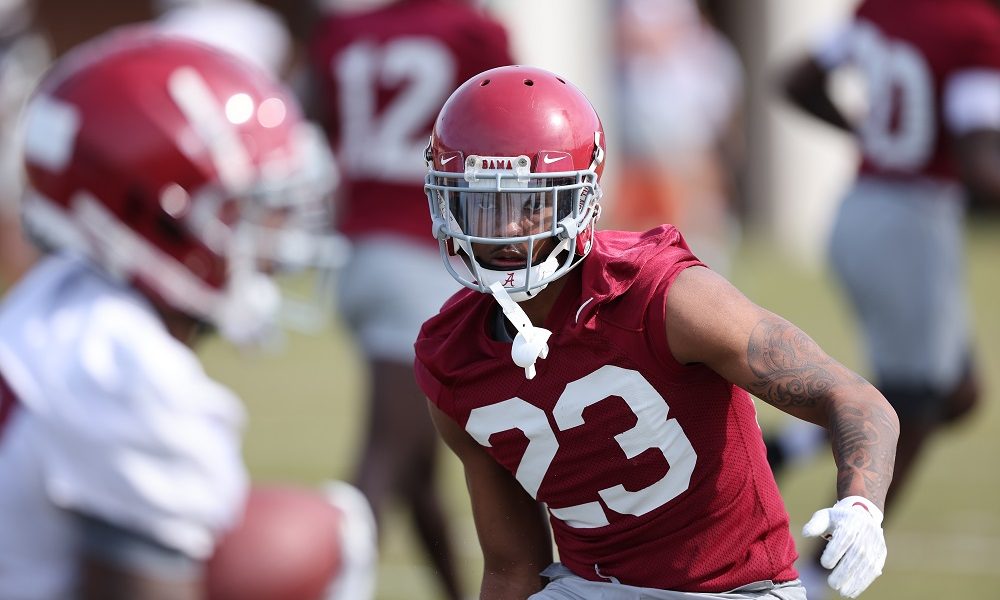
(607, 383)
(680, 94)
(931, 128)
(163, 173)
(381, 73)
(24, 55)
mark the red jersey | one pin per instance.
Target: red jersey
(653, 472)
(383, 75)
(908, 51)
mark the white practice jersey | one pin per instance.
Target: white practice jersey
(113, 418)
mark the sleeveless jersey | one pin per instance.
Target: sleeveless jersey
(654, 473)
(383, 75)
(909, 52)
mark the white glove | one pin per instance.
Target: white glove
(856, 549)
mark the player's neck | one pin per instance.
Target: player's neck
(539, 307)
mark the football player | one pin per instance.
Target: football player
(595, 383)
(164, 176)
(930, 137)
(382, 69)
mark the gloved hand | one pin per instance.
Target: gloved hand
(856, 548)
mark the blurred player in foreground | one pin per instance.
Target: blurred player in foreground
(600, 378)
(931, 71)
(381, 75)
(164, 176)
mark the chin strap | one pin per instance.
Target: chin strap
(531, 343)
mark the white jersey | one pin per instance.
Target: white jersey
(114, 418)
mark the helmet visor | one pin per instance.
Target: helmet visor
(513, 213)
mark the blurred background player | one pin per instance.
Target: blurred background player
(24, 55)
(381, 71)
(929, 137)
(679, 94)
(164, 176)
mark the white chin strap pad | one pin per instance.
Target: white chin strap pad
(531, 343)
(538, 272)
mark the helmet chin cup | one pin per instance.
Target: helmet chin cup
(521, 284)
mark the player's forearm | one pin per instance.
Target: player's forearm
(791, 372)
(863, 433)
(805, 86)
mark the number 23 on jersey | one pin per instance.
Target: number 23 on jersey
(652, 430)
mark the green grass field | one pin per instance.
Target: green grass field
(306, 411)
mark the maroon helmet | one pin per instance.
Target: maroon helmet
(516, 144)
(163, 160)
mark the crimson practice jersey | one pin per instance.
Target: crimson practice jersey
(654, 473)
(911, 52)
(383, 77)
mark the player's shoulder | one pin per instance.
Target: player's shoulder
(948, 18)
(455, 313)
(966, 30)
(627, 272)
(403, 17)
(466, 28)
(452, 343)
(615, 241)
(622, 258)
(81, 338)
(985, 13)
(981, 24)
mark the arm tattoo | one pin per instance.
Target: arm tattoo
(792, 372)
(790, 368)
(864, 448)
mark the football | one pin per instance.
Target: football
(286, 547)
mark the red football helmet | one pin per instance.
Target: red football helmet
(515, 160)
(174, 166)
